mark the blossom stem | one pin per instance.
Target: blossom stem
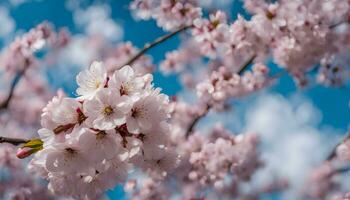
(13, 141)
(159, 40)
(14, 83)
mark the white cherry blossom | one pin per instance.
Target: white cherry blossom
(148, 109)
(126, 81)
(107, 109)
(91, 80)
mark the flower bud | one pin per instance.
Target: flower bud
(24, 152)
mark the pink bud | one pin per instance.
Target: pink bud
(24, 152)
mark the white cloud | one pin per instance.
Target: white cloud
(7, 23)
(76, 56)
(96, 20)
(292, 141)
(79, 52)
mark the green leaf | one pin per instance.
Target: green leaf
(34, 143)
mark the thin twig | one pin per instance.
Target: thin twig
(159, 40)
(14, 83)
(337, 24)
(14, 141)
(246, 64)
(196, 120)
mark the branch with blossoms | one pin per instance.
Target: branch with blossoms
(19, 75)
(14, 83)
(159, 40)
(209, 106)
(19, 57)
(120, 122)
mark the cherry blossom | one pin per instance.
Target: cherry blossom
(126, 82)
(141, 116)
(90, 81)
(106, 110)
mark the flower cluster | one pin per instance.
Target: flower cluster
(333, 71)
(320, 182)
(237, 155)
(294, 26)
(211, 33)
(91, 141)
(322, 25)
(150, 189)
(218, 162)
(170, 14)
(178, 60)
(19, 62)
(224, 84)
(20, 54)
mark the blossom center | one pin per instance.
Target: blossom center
(97, 84)
(125, 89)
(136, 112)
(108, 110)
(100, 135)
(70, 150)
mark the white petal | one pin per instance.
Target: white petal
(132, 125)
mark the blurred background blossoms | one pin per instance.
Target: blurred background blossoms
(249, 101)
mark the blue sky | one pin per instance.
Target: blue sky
(333, 103)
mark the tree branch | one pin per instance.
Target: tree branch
(14, 83)
(337, 24)
(13, 141)
(196, 120)
(246, 64)
(149, 46)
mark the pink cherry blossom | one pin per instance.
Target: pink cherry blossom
(90, 81)
(107, 109)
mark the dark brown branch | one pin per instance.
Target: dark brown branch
(246, 65)
(341, 170)
(14, 141)
(337, 24)
(14, 83)
(159, 40)
(196, 120)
